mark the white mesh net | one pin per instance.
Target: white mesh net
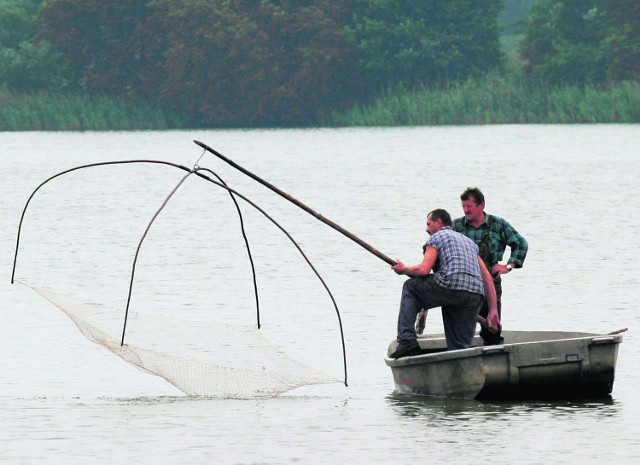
(199, 358)
(192, 319)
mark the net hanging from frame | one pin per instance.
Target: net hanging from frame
(220, 360)
(201, 357)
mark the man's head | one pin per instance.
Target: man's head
(436, 220)
(473, 205)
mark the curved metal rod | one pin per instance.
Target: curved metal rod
(135, 258)
(230, 190)
(286, 233)
(15, 257)
(184, 168)
(246, 241)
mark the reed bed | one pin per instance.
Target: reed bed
(44, 111)
(493, 99)
(497, 100)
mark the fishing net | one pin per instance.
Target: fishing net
(198, 357)
(191, 318)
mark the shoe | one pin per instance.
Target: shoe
(492, 339)
(406, 349)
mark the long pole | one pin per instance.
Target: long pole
(337, 227)
(295, 201)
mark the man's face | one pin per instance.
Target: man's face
(473, 212)
(433, 226)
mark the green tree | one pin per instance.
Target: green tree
(431, 41)
(29, 68)
(26, 66)
(561, 42)
(223, 62)
(583, 41)
(16, 25)
(96, 39)
(620, 20)
(247, 62)
(515, 9)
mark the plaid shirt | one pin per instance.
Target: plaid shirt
(457, 264)
(500, 234)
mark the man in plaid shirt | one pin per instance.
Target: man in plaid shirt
(451, 276)
(492, 234)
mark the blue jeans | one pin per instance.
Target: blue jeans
(459, 310)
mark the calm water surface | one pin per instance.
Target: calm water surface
(571, 190)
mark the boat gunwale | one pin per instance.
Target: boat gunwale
(479, 351)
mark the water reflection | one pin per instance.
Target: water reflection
(421, 406)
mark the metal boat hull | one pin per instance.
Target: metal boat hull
(529, 365)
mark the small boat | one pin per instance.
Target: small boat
(529, 365)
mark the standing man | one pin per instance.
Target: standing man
(492, 234)
(458, 284)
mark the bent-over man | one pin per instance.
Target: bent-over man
(451, 276)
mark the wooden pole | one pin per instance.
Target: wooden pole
(326, 221)
(295, 201)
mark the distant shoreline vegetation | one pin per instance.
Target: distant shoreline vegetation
(51, 111)
(497, 100)
(493, 99)
(166, 64)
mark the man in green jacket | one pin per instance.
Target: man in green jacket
(492, 234)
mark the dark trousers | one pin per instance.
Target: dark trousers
(488, 337)
(459, 310)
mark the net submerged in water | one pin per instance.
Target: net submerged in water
(202, 358)
(219, 360)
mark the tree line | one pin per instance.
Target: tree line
(291, 62)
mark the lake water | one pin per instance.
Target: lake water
(570, 190)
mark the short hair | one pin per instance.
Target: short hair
(473, 192)
(442, 215)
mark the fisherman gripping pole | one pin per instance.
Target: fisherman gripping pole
(295, 201)
(337, 227)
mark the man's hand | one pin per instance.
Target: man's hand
(498, 270)
(493, 320)
(399, 267)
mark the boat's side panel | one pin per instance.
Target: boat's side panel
(603, 356)
(550, 369)
(456, 374)
(581, 365)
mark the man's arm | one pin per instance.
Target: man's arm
(493, 319)
(421, 269)
(518, 245)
